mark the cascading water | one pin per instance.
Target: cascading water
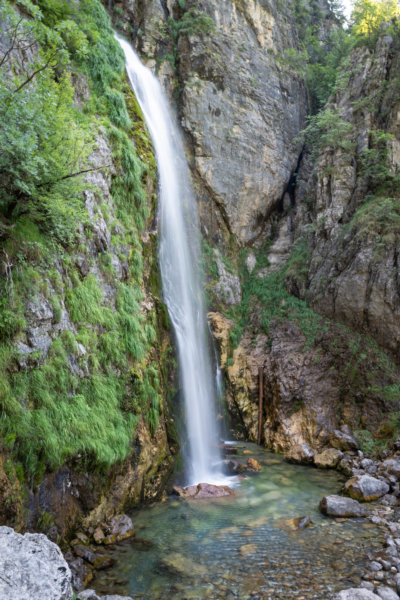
(179, 261)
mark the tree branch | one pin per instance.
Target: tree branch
(42, 68)
(74, 175)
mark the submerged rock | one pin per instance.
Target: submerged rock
(356, 594)
(366, 488)
(253, 465)
(121, 528)
(203, 490)
(339, 506)
(295, 524)
(184, 566)
(33, 567)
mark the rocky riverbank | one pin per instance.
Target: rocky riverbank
(376, 481)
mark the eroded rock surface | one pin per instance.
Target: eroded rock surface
(339, 506)
(33, 567)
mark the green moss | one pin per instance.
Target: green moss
(49, 413)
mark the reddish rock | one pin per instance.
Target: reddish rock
(203, 490)
(253, 464)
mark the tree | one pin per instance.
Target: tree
(368, 15)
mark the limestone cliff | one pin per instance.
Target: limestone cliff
(301, 242)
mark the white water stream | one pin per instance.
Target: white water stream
(179, 261)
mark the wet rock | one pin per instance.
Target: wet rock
(120, 528)
(228, 288)
(253, 465)
(366, 488)
(343, 441)
(386, 593)
(247, 549)
(85, 553)
(356, 594)
(33, 567)
(182, 565)
(328, 459)
(301, 454)
(295, 524)
(339, 506)
(203, 490)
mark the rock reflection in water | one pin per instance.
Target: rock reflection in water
(245, 547)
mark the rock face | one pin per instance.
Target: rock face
(349, 279)
(338, 506)
(366, 488)
(241, 106)
(242, 110)
(32, 567)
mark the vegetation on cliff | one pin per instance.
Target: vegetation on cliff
(91, 369)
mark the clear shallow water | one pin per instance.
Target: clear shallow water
(241, 547)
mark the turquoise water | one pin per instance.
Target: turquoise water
(243, 546)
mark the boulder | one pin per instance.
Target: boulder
(343, 441)
(366, 488)
(386, 593)
(120, 528)
(339, 506)
(203, 490)
(253, 465)
(356, 594)
(392, 466)
(328, 459)
(33, 567)
(301, 454)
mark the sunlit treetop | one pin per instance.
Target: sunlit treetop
(369, 14)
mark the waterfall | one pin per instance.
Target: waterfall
(179, 257)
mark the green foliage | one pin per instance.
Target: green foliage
(193, 22)
(44, 141)
(48, 413)
(269, 295)
(328, 129)
(368, 15)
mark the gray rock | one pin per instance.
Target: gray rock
(328, 458)
(374, 566)
(366, 488)
(339, 506)
(356, 594)
(32, 567)
(113, 597)
(300, 453)
(343, 441)
(386, 593)
(228, 288)
(392, 466)
(88, 595)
